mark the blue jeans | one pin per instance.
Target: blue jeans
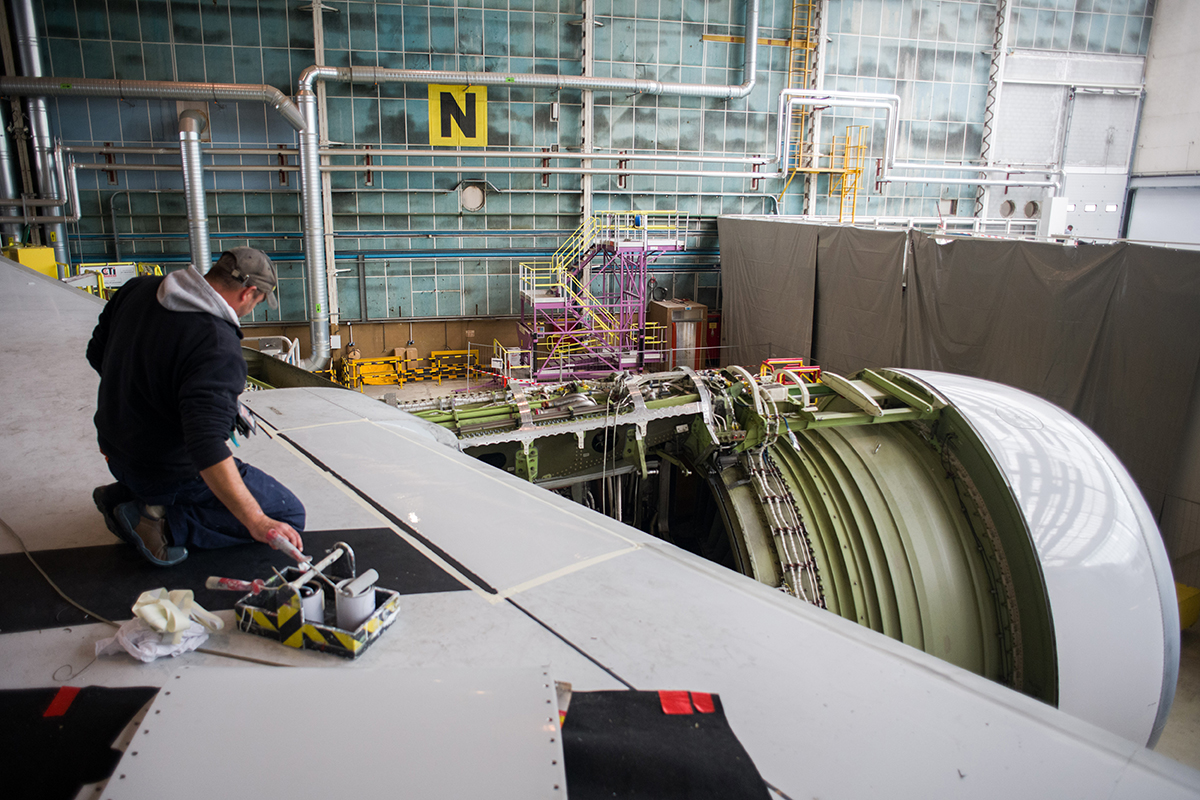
(197, 518)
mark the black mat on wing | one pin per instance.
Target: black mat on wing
(108, 579)
(622, 744)
(52, 757)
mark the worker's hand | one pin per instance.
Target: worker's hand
(263, 529)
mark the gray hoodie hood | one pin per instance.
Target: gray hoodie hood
(186, 290)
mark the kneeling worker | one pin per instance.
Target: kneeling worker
(169, 355)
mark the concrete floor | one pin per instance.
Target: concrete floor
(1181, 737)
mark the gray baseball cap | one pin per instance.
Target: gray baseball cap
(253, 268)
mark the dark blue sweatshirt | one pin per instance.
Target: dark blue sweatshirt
(169, 379)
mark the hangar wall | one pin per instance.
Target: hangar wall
(405, 247)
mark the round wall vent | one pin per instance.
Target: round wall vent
(470, 197)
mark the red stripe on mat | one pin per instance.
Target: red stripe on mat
(675, 702)
(703, 702)
(61, 702)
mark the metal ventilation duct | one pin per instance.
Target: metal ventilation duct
(191, 125)
(30, 53)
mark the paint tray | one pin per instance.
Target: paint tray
(275, 613)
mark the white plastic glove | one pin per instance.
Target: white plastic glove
(172, 612)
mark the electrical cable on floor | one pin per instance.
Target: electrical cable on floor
(94, 615)
(49, 580)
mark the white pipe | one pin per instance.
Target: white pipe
(889, 103)
(975, 168)
(318, 9)
(528, 170)
(964, 181)
(154, 90)
(578, 155)
(314, 232)
(631, 85)
(587, 117)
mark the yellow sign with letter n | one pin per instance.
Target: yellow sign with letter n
(458, 115)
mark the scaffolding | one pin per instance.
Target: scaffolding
(583, 313)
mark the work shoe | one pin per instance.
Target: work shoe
(107, 498)
(148, 535)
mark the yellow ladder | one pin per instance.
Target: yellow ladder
(801, 49)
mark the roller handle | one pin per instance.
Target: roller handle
(279, 542)
(234, 585)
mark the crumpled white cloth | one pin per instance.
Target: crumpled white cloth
(162, 626)
(137, 638)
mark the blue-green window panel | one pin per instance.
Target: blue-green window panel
(377, 296)
(349, 301)
(1116, 28)
(500, 294)
(475, 295)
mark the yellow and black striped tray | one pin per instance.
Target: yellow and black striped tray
(275, 613)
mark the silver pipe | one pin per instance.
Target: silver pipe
(975, 168)
(541, 171)
(29, 49)
(8, 181)
(167, 151)
(72, 187)
(155, 90)
(810, 97)
(28, 202)
(176, 167)
(597, 155)
(191, 124)
(580, 155)
(630, 85)
(890, 103)
(314, 231)
(963, 181)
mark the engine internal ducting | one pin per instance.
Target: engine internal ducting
(875, 497)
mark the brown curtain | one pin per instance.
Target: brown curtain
(1110, 333)
(859, 299)
(768, 277)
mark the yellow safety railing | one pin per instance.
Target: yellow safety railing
(545, 277)
(656, 335)
(642, 226)
(852, 154)
(557, 284)
(576, 245)
(537, 276)
(506, 359)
